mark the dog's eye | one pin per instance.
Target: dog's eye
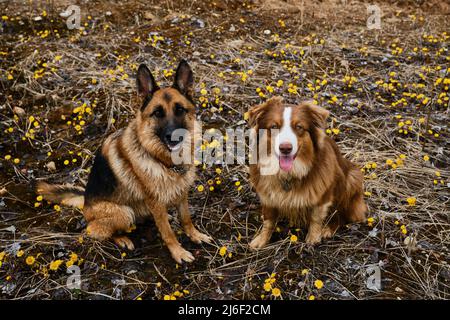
(158, 113)
(299, 127)
(274, 126)
(179, 110)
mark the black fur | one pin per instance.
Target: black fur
(167, 97)
(146, 101)
(101, 182)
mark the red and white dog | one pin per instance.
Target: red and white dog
(313, 185)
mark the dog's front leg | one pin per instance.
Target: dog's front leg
(161, 217)
(185, 216)
(317, 218)
(269, 217)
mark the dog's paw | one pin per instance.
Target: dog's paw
(198, 237)
(258, 242)
(180, 255)
(327, 232)
(124, 242)
(313, 238)
(98, 231)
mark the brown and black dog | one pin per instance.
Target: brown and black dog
(312, 184)
(133, 175)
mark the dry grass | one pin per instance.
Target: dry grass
(364, 114)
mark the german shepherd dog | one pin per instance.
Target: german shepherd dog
(133, 175)
(312, 184)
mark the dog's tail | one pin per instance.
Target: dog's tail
(64, 194)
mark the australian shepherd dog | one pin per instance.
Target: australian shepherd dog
(313, 184)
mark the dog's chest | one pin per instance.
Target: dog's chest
(285, 193)
(171, 186)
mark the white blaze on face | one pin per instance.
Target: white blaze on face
(286, 135)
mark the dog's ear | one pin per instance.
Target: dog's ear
(145, 82)
(255, 112)
(319, 114)
(184, 79)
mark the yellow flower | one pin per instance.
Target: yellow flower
(166, 297)
(411, 201)
(2, 255)
(267, 286)
(294, 238)
(311, 297)
(389, 162)
(54, 265)
(426, 158)
(370, 221)
(318, 284)
(20, 253)
(200, 188)
(305, 272)
(30, 260)
(403, 229)
(73, 257)
(223, 251)
(276, 292)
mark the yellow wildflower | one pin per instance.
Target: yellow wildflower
(223, 251)
(276, 292)
(411, 201)
(30, 260)
(318, 284)
(54, 265)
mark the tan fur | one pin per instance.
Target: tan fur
(59, 194)
(320, 182)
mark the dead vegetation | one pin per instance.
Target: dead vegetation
(64, 90)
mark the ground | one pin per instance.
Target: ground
(63, 91)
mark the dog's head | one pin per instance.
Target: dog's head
(297, 131)
(166, 114)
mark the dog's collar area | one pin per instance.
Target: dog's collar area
(179, 169)
(286, 183)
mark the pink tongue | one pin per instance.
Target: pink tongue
(286, 162)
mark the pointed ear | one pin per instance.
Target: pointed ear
(184, 79)
(319, 114)
(145, 82)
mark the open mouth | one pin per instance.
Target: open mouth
(174, 145)
(286, 162)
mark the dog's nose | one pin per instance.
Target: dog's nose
(285, 148)
(170, 139)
